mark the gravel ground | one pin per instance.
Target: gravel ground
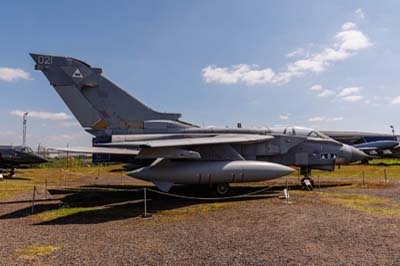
(255, 231)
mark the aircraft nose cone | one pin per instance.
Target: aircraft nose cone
(357, 155)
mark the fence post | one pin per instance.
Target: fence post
(45, 188)
(384, 173)
(363, 178)
(33, 199)
(145, 214)
(287, 189)
(60, 176)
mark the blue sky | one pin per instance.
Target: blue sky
(327, 65)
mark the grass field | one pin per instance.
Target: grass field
(58, 175)
(26, 179)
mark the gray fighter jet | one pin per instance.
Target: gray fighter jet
(167, 150)
(12, 157)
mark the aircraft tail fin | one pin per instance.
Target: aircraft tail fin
(95, 101)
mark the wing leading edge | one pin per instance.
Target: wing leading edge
(218, 139)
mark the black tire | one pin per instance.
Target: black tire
(222, 189)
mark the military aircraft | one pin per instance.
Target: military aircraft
(168, 151)
(12, 157)
(374, 144)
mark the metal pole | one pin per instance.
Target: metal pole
(24, 119)
(319, 185)
(33, 199)
(67, 156)
(145, 203)
(45, 189)
(384, 173)
(363, 178)
(287, 190)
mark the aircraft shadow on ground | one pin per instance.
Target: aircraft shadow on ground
(99, 203)
(15, 178)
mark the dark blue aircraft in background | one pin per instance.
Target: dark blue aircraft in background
(374, 144)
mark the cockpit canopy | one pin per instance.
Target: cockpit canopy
(24, 149)
(303, 131)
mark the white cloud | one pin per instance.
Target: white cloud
(284, 117)
(42, 115)
(347, 91)
(323, 93)
(297, 52)
(13, 74)
(352, 40)
(353, 98)
(326, 93)
(347, 42)
(359, 12)
(349, 26)
(348, 95)
(325, 119)
(396, 100)
(250, 75)
(316, 87)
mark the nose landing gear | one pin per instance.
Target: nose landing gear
(307, 183)
(12, 172)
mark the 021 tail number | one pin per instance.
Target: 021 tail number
(45, 59)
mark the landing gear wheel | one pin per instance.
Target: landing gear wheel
(304, 186)
(222, 189)
(12, 172)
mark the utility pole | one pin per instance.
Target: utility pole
(24, 118)
(394, 137)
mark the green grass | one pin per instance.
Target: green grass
(63, 212)
(7, 194)
(64, 163)
(385, 162)
(365, 203)
(355, 171)
(35, 251)
(26, 179)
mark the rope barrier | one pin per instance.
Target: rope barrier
(211, 199)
